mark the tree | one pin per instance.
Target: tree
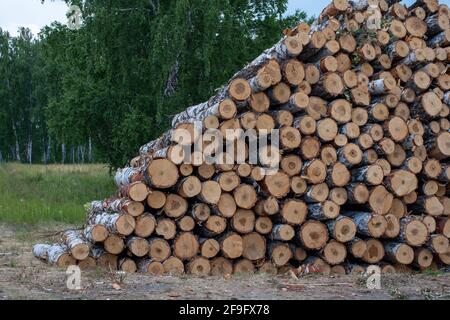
(118, 80)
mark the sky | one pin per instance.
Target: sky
(34, 15)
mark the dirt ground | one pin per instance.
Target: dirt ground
(23, 277)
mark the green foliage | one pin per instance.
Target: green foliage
(134, 64)
(37, 193)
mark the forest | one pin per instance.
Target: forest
(98, 93)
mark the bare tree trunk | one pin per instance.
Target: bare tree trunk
(29, 152)
(48, 154)
(17, 151)
(63, 153)
(90, 150)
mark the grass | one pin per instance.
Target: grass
(31, 194)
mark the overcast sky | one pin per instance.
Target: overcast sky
(34, 15)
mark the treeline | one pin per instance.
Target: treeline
(100, 92)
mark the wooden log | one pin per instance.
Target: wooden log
(330, 85)
(173, 265)
(215, 225)
(199, 266)
(397, 29)
(263, 225)
(398, 252)
(293, 72)
(350, 155)
(226, 207)
(316, 193)
(309, 148)
(40, 251)
(293, 212)
(156, 199)
(290, 138)
(122, 224)
(440, 146)
(166, 228)
(401, 182)
(243, 221)
(104, 259)
(323, 211)
(231, 245)
(314, 171)
(148, 266)
(371, 175)
(342, 229)
(282, 118)
(357, 247)
(243, 266)
(186, 223)
(370, 157)
(291, 164)
(259, 102)
(338, 196)
(95, 233)
(380, 200)
(319, 264)
(221, 266)
(276, 185)
(188, 187)
(445, 258)
(327, 129)
(436, 24)
(279, 253)
(127, 265)
(122, 205)
(430, 222)
(114, 244)
(279, 94)
(200, 212)
(336, 7)
(438, 243)
(267, 207)
(350, 129)
(429, 205)
(423, 258)
(176, 206)
(298, 102)
(443, 226)
(160, 173)
(137, 246)
(210, 192)
(413, 231)
(88, 263)
(254, 246)
(347, 43)
(159, 249)
(375, 251)
(245, 196)
(358, 193)
(392, 226)
(313, 235)
(370, 225)
(334, 252)
(282, 232)
(268, 268)
(209, 247)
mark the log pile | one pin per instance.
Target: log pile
(361, 100)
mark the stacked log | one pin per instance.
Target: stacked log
(362, 109)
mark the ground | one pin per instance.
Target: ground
(24, 277)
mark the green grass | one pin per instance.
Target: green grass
(31, 194)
